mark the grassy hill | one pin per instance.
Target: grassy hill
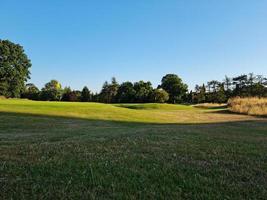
(144, 113)
(55, 150)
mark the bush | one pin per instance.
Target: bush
(249, 106)
(160, 96)
(70, 96)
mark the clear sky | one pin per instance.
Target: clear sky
(85, 42)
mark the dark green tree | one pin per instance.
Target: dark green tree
(14, 69)
(189, 97)
(221, 95)
(200, 96)
(66, 94)
(126, 93)
(109, 91)
(113, 89)
(175, 87)
(143, 91)
(227, 85)
(96, 97)
(86, 95)
(104, 96)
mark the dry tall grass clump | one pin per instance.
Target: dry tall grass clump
(2, 97)
(250, 105)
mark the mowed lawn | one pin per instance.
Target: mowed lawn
(56, 150)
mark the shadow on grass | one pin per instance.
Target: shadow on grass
(151, 106)
(211, 107)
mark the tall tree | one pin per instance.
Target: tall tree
(175, 88)
(227, 83)
(221, 95)
(85, 95)
(14, 69)
(227, 86)
(200, 96)
(113, 89)
(104, 94)
(240, 84)
(214, 85)
(109, 91)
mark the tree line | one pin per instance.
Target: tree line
(245, 85)
(171, 90)
(14, 73)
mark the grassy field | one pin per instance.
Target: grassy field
(52, 150)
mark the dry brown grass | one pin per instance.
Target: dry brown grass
(2, 97)
(250, 106)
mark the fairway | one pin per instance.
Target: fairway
(57, 150)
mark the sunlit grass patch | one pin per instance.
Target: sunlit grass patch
(144, 113)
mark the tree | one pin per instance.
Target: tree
(143, 91)
(53, 85)
(189, 97)
(71, 96)
(95, 97)
(126, 93)
(200, 95)
(221, 95)
(85, 95)
(66, 94)
(227, 84)
(240, 84)
(104, 94)
(52, 91)
(109, 91)
(214, 85)
(160, 96)
(77, 94)
(14, 69)
(113, 89)
(31, 92)
(176, 89)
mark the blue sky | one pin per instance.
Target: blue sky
(86, 42)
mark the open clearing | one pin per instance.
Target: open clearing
(55, 150)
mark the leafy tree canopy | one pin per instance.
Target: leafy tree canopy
(14, 69)
(126, 93)
(52, 91)
(175, 87)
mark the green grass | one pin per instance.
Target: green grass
(51, 150)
